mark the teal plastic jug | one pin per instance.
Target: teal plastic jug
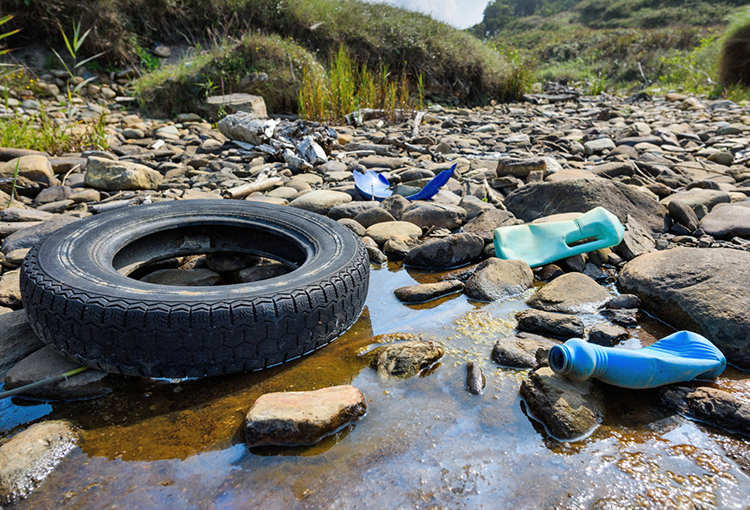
(680, 357)
(542, 243)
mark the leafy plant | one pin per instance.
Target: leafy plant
(149, 62)
(4, 51)
(73, 44)
(15, 181)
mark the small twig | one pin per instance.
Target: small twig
(417, 122)
(77, 165)
(646, 81)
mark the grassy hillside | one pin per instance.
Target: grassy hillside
(453, 63)
(602, 43)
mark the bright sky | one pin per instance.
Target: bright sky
(459, 13)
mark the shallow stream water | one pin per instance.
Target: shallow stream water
(424, 443)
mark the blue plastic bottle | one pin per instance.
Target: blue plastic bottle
(542, 243)
(680, 357)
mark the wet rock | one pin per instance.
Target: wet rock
(520, 350)
(683, 214)
(499, 279)
(31, 455)
(627, 317)
(261, 272)
(571, 293)
(320, 201)
(625, 301)
(570, 410)
(700, 290)
(35, 168)
(580, 195)
(183, 277)
(382, 232)
(10, 290)
(46, 363)
(375, 255)
(557, 325)
(727, 221)
(451, 251)
(549, 272)
(426, 214)
(607, 334)
(30, 236)
(17, 341)
(475, 379)
(428, 291)
(302, 417)
(405, 359)
(108, 175)
(710, 405)
(486, 222)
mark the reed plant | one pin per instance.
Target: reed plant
(348, 87)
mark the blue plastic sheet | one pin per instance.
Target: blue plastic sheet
(375, 186)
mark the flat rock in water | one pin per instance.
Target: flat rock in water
(30, 236)
(426, 214)
(580, 195)
(382, 232)
(320, 201)
(46, 363)
(427, 291)
(710, 405)
(398, 247)
(29, 456)
(405, 359)
(558, 325)
(302, 417)
(607, 335)
(520, 350)
(727, 221)
(570, 293)
(17, 341)
(102, 173)
(451, 251)
(499, 279)
(570, 410)
(700, 290)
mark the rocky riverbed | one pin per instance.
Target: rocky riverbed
(673, 169)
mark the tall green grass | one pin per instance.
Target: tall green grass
(55, 136)
(348, 87)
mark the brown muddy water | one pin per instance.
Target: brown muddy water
(424, 443)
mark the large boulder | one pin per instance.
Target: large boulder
(428, 214)
(569, 409)
(581, 195)
(703, 290)
(302, 417)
